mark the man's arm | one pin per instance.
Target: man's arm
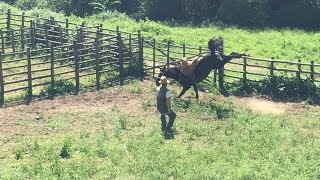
(168, 102)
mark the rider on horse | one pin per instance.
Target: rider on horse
(187, 67)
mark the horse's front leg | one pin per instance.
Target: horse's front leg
(195, 87)
(184, 90)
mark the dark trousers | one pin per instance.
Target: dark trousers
(167, 126)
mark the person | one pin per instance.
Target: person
(164, 107)
(187, 68)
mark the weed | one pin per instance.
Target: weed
(123, 121)
(65, 150)
(146, 104)
(18, 152)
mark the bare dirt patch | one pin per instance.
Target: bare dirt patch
(264, 106)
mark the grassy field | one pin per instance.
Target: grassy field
(115, 134)
(285, 44)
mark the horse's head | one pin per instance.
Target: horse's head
(161, 73)
(216, 44)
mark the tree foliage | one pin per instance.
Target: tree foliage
(294, 13)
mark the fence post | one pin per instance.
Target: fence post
(22, 38)
(153, 57)
(22, 19)
(67, 26)
(120, 58)
(140, 41)
(8, 24)
(76, 67)
(312, 72)
(311, 84)
(200, 50)
(2, 42)
(184, 50)
(52, 59)
(272, 78)
(168, 53)
(299, 78)
(29, 92)
(9, 19)
(60, 35)
(46, 34)
(244, 71)
(97, 57)
(1, 82)
(130, 54)
(32, 34)
(12, 41)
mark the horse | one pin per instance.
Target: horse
(201, 71)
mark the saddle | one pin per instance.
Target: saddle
(187, 67)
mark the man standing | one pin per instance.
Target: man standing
(164, 107)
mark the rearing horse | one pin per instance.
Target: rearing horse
(202, 70)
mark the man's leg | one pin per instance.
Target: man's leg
(172, 116)
(163, 122)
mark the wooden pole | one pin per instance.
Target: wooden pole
(60, 35)
(47, 35)
(299, 78)
(168, 53)
(184, 50)
(130, 53)
(140, 42)
(244, 71)
(272, 66)
(76, 67)
(153, 57)
(1, 82)
(23, 19)
(8, 24)
(52, 59)
(311, 84)
(32, 34)
(12, 42)
(22, 39)
(67, 26)
(2, 42)
(29, 92)
(312, 71)
(97, 57)
(120, 58)
(272, 78)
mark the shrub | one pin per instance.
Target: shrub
(61, 87)
(245, 12)
(29, 4)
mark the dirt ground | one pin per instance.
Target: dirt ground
(23, 120)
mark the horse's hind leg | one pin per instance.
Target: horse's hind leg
(195, 87)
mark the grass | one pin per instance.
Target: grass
(285, 44)
(109, 141)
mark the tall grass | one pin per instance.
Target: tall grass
(287, 44)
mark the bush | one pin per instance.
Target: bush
(297, 14)
(29, 4)
(61, 87)
(245, 12)
(277, 87)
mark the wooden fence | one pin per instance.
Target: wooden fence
(38, 52)
(245, 69)
(35, 52)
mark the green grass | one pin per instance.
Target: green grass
(120, 143)
(286, 44)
